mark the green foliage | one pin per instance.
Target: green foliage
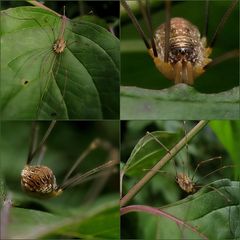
(228, 133)
(178, 102)
(147, 152)
(100, 221)
(81, 82)
(213, 211)
(208, 212)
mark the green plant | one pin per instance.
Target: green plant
(157, 193)
(36, 82)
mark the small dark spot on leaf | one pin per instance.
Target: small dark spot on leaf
(26, 82)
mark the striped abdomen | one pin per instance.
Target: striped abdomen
(185, 42)
(187, 54)
(39, 180)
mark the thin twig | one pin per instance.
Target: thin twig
(38, 4)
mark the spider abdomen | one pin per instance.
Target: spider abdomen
(187, 53)
(59, 45)
(185, 183)
(38, 180)
(185, 42)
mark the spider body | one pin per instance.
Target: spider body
(177, 48)
(39, 181)
(185, 183)
(59, 45)
(188, 54)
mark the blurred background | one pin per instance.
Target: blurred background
(103, 13)
(218, 138)
(138, 69)
(88, 209)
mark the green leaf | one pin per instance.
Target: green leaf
(80, 82)
(208, 211)
(104, 224)
(100, 221)
(228, 133)
(178, 102)
(148, 152)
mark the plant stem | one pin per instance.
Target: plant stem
(38, 4)
(159, 212)
(138, 186)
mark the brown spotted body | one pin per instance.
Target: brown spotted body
(59, 46)
(60, 43)
(188, 54)
(185, 183)
(39, 181)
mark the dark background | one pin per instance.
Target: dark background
(107, 10)
(138, 69)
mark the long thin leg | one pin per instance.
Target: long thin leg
(186, 144)
(164, 172)
(226, 56)
(150, 26)
(71, 182)
(144, 13)
(44, 139)
(135, 23)
(167, 29)
(167, 150)
(41, 155)
(31, 19)
(216, 170)
(92, 146)
(159, 142)
(93, 176)
(33, 141)
(223, 21)
(100, 181)
(215, 189)
(203, 162)
(206, 19)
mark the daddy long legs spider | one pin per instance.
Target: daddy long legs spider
(63, 147)
(226, 41)
(203, 146)
(61, 85)
(37, 178)
(192, 174)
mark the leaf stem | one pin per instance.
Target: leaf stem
(159, 212)
(38, 4)
(140, 184)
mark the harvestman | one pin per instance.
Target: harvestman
(58, 45)
(52, 70)
(39, 181)
(177, 48)
(188, 183)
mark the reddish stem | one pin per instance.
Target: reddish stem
(158, 212)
